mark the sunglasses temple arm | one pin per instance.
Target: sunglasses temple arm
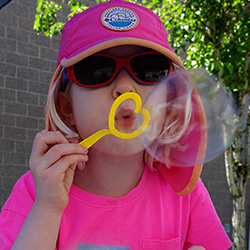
(64, 81)
(88, 142)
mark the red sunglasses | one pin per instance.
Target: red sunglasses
(99, 70)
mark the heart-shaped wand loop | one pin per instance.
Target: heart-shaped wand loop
(88, 142)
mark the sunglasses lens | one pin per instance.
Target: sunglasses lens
(98, 70)
(150, 68)
(94, 70)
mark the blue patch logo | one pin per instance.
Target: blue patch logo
(119, 19)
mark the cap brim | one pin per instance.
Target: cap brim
(182, 179)
(93, 48)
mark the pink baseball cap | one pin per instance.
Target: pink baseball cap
(116, 23)
(112, 24)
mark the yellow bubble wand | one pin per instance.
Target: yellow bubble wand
(88, 142)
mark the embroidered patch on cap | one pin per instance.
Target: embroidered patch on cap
(119, 19)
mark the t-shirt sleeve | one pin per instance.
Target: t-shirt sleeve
(15, 210)
(205, 228)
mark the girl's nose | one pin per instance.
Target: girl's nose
(123, 83)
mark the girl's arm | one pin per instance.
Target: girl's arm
(39, 231)
(52, 162)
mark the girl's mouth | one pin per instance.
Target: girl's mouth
(125, 120)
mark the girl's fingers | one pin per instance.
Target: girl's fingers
(69, 176)
(68, 162)
(60, 172)
(44, 140)
(81, 165)
(60, 150)
(55, 146)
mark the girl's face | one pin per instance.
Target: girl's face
(91, 108)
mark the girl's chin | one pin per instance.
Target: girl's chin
(119, 147)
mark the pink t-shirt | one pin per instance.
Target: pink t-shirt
(151, 217)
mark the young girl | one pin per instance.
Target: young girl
(112, 195)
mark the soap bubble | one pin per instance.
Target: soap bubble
(193, 119)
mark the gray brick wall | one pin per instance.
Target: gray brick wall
(27, 63)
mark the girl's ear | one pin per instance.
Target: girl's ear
(64, 108)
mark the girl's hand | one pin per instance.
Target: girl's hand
(53, 162)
